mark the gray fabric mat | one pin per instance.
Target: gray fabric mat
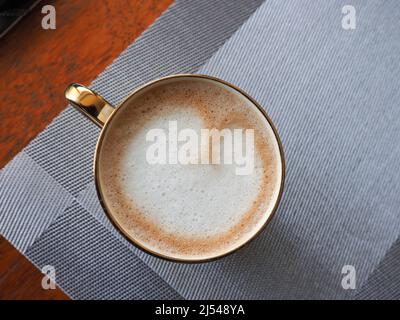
(54, 173)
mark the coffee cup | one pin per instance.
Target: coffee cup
(188, 167)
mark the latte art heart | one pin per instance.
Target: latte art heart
(188, 210)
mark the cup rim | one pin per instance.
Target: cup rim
(114, 221)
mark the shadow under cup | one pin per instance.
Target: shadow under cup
(183, 212)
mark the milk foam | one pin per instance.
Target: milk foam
(187, 211)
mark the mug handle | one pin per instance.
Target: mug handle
(92, 105)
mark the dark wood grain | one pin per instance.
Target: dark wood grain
(19, 279)
(35, 67)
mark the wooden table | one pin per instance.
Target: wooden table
(35, 66)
